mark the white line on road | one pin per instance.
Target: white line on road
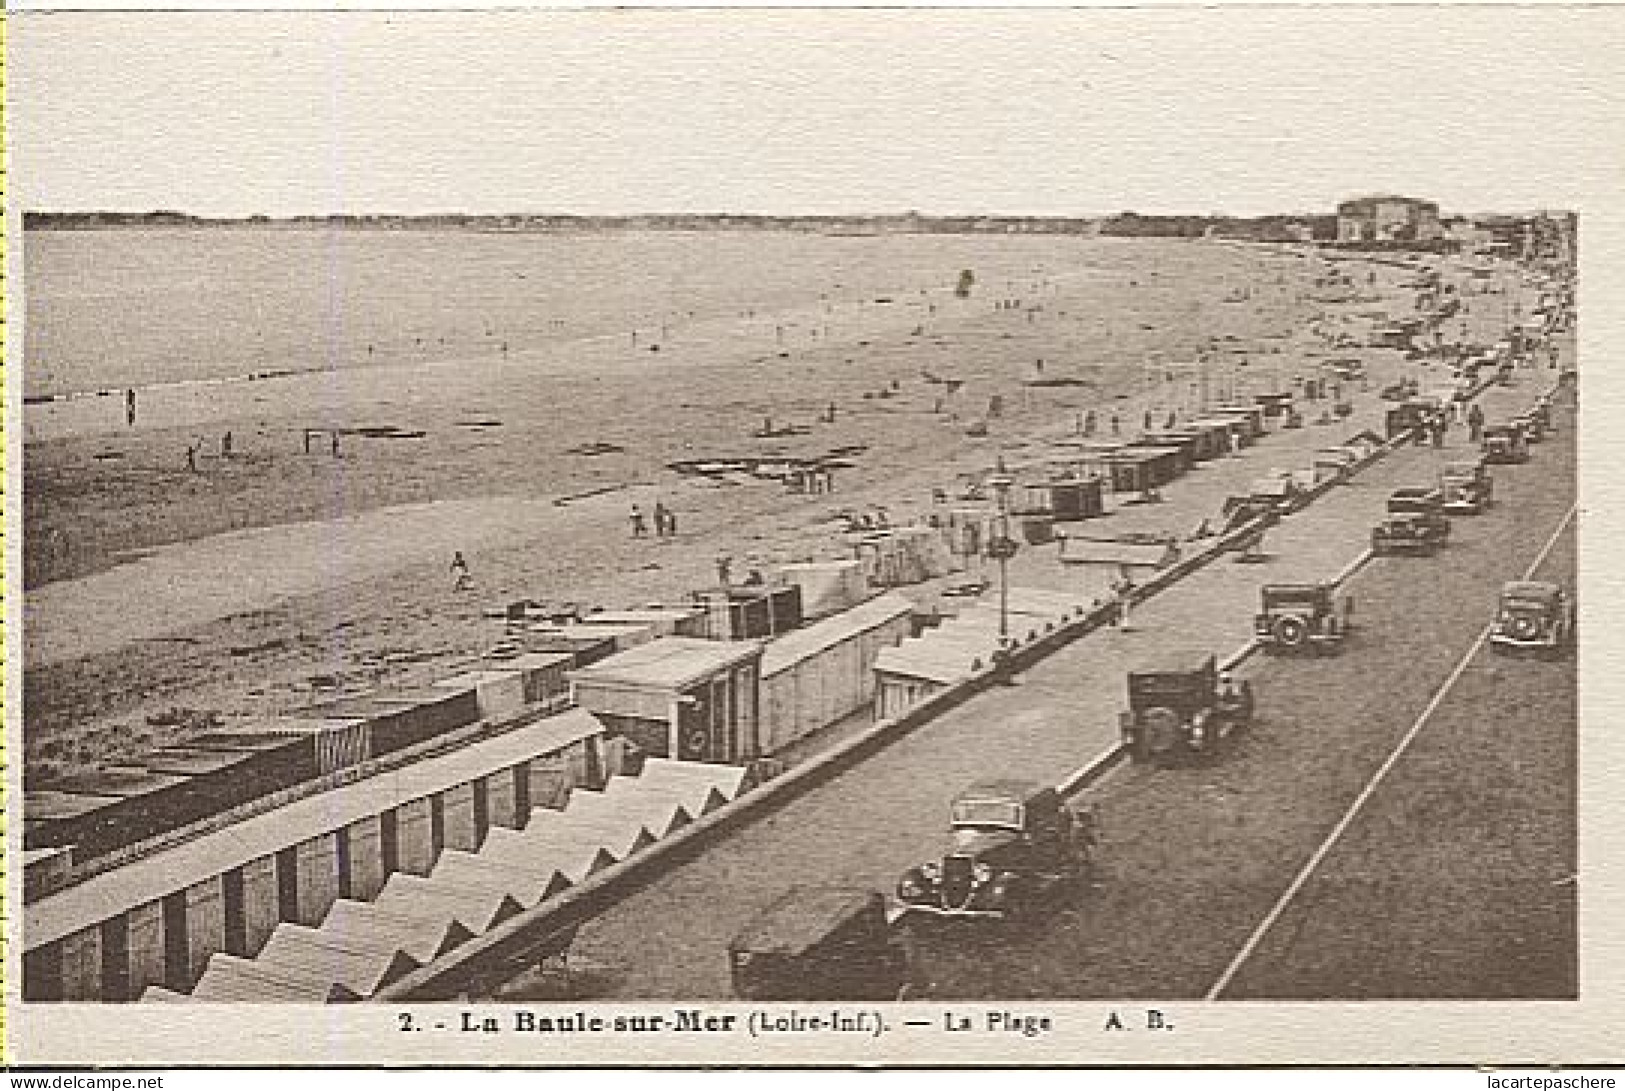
(1343, 824)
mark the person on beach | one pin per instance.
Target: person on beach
(1146, 425)
(1117, 425)
(225, 445)
(660, 519)
(191, 457)
(459, 572)
(724, 566)
(1089, 423)
(129, 407)
(335, 443)
(639, 529)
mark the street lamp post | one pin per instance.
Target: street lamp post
(1003, 548)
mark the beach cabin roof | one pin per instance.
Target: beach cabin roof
(670, 663)
(88, 903)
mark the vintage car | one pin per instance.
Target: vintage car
(819, 943)
(1403, 534)
(1505, 444)
(1533, 424)
(1427, 504)
(1296, 616)
(1014, 842)
(1180, 707)
(1279, 492)
(1533, 614)
(1542, 412)
(1405, 418)
(1466, 486)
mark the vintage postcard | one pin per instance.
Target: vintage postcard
(854, 537)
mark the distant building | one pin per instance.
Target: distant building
(1388, 219)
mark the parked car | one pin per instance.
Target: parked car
(1403, 535)
(1427, 504)
(1533, 614)
(1014, 842)
(1179, 706)
(1504, 444)
(1295, 616)
(1405, 418)
(1465, 485)
(819, 943)
(1533, 425)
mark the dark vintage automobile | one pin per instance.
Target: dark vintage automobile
(1465, 486)
(1179, 706)
(1406, 418)
(1014, 843)
(1533, 424)
(1533, 614)
(1504, 444)
(1427, 504)
(819, 943)
(1403, 535)
(1298, 616)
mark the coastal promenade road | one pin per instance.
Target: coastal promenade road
(1456, 871)
(1457, 878)
(870, 822)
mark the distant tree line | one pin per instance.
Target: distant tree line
(1272, 228)
(1275, 228)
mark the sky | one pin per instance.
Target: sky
(1063, 112)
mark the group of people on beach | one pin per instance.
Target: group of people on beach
(665, 521)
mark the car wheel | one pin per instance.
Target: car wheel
(1291, 631)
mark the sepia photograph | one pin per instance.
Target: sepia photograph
(873, 536)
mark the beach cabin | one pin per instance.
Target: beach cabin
(1224, 434)
(1182, 443)
(818, 675)
(1139, 469)
(659, 620)
(827, 587)
(621, 635)
(46, 870)
(400, 718)
(582, 648)
(217, 780)
(1076, 498)
(1253, 415)
(749, 611)
(117, 807)
(679, 697)
(1101, 562)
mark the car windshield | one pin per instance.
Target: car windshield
(1524, 602)
(988, 812)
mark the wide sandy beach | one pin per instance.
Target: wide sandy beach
(277, 577)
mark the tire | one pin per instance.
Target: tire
(1291, 631)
